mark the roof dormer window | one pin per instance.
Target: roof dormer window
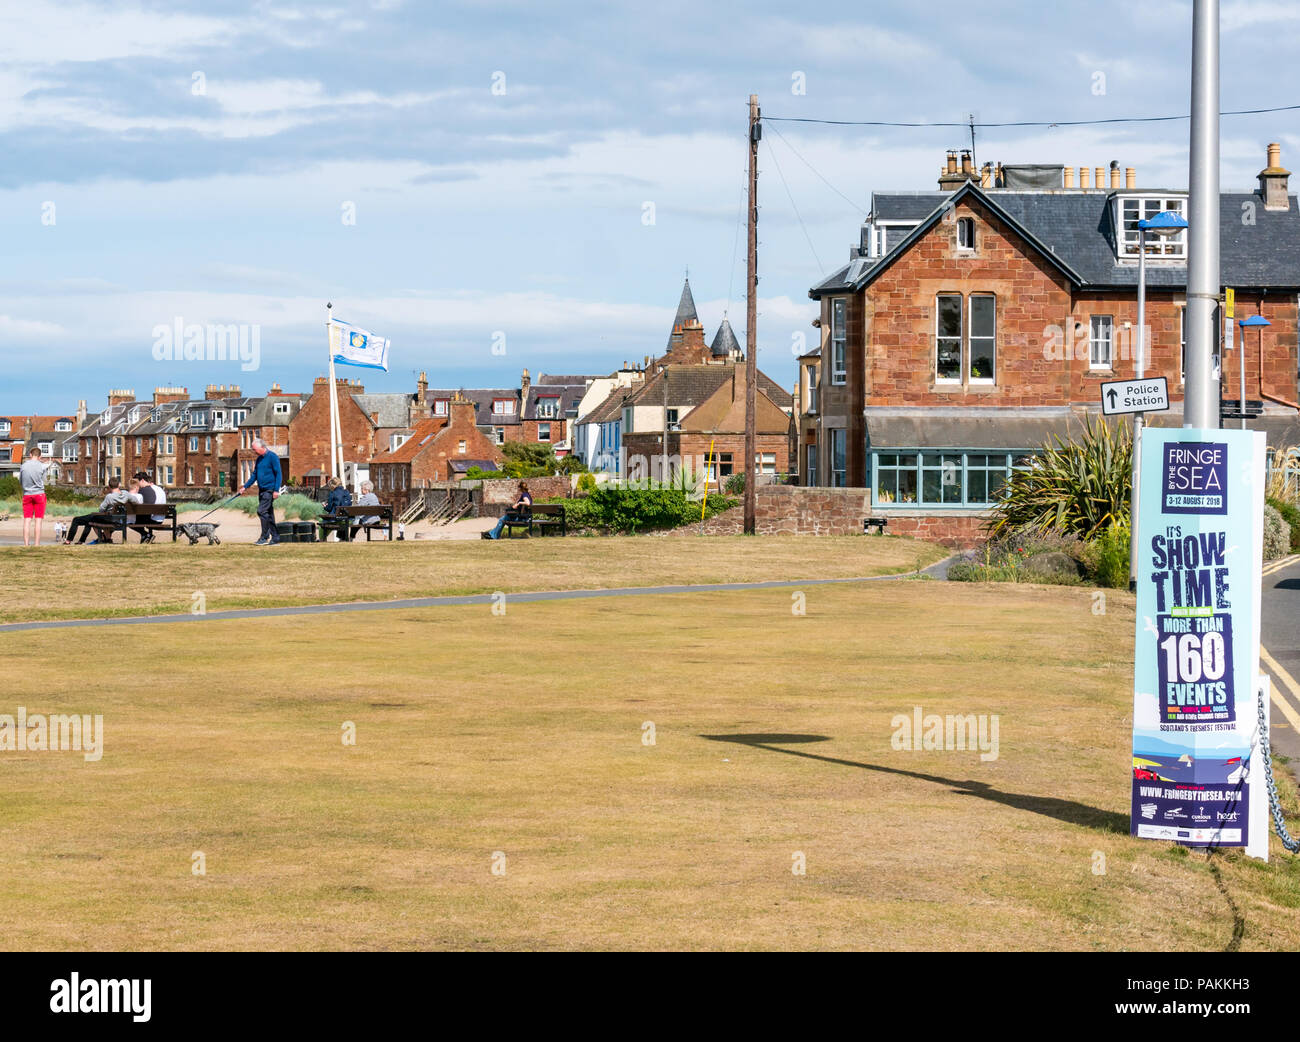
(1133, 208)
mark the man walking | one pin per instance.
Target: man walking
(267, 477)
(32, 475)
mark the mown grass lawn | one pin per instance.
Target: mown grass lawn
(520, 741)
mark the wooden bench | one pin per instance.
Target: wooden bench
(876, 523)
(123, 521)
(544, 520)
(347, 523)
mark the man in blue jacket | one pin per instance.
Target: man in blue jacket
(267, 477)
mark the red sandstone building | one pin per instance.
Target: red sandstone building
(974, 323)
(440, 448)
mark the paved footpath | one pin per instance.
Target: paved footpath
(934, 571)
(1280, 654)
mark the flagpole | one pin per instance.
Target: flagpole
(329, 345)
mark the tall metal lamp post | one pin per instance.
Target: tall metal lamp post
(1253, 322)
(1164, 225)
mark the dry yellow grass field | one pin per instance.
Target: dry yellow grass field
(518, 740)
(58, 582)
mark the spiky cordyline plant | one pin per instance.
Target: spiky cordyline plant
(1080, 486)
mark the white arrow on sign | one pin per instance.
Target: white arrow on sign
(1125, 396)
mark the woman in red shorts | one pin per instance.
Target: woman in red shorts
(32, 475)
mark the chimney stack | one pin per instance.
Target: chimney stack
(1069, 177)
(1130, 177)
(966, 163)
(121, 396)
(1273, 181)
(986, 176)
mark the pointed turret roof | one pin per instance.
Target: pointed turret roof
(724, 342)
(686, 307)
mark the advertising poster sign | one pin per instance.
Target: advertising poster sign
(1196, 657)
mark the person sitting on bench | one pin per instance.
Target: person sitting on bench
(368, 499)
(104, 516)
(338, 498)
(149, 493)
(521, 511)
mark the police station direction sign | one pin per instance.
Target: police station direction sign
(1125, 396)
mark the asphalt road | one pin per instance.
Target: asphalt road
(1280, 655)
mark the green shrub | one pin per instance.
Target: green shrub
(289, 507)
(1277, 534)
(1107, 556)
(1078, 487)
(587, 482)
(1291, 515)
(478, 474)
(735, 485)
(11, 487)
(615, 508)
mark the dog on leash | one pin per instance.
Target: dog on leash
(196, 531)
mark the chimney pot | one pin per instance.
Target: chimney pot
(965, 162)
(1101, 177)
(1273, 180)
(1130, 177)
(952, 162)
(1069, 177)
(986, 175)
(1114, 173)
(1085, 177)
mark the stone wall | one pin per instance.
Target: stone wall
(794, 510)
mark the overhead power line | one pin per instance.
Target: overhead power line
(967, 124)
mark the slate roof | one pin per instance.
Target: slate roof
(1075, 231)
(691, 385)
(686, 307)
(262, 414)
(569, 394)
(394, 409)
(482, 398)
(724, 341)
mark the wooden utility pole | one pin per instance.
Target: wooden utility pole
(751, 317)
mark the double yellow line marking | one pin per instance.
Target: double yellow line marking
(1280, 563)
(1284, 680)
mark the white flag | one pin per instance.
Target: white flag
(352, 346)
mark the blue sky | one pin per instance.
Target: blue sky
(199, 159)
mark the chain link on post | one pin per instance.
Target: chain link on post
(1273, 802)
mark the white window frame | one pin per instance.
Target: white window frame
(971, 338)
(548, 406)
(954, 381)
(765, 463)
(544, 431)
(1098, 324)
(966, 224)
(1173, 247)
(839, 341)
(503, 406)
(282, 408)
(440, 406)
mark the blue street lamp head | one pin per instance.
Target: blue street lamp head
(1166, 222)
(1253, 320)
